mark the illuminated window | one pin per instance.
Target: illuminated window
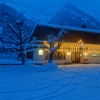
(95, 55)
(40, 52)
(59, 55)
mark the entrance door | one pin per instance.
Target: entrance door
(75, 57)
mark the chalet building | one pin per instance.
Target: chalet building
(80, 45)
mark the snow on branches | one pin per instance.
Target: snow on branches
(19, 35)
(52, 39)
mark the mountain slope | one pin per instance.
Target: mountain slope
(46, 11)
(69, 15)
(10, 15)
(38, 10)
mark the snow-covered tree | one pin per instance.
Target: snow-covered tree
(52, 40)
(19, 37)
(15, 26)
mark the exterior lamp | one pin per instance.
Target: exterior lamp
(68, 53)
(85, 54)
(40, 52)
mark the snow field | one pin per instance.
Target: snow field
(77, 82)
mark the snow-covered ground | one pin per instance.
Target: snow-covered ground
(70, 82)
(9, 61)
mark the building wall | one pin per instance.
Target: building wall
(87, 53)
(38, 54)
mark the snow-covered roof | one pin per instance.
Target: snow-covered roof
(38, 44)
(71, 28)
(74, 33)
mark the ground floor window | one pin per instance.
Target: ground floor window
(29, 55)
(95, 55)
(57, 55)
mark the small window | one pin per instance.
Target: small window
(29, 55)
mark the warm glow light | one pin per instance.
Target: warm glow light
(80, 43)
(68, 53)
(80, 55)
(46, 44)
(85, 54)
(40, 52)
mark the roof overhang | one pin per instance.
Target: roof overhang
(70, 28)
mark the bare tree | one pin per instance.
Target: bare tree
(52, 40)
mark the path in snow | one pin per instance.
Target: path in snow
(66, 83)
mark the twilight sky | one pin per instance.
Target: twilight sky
(49, 7)
(90, 6)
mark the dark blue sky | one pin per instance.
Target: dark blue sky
(90, 6)
(49, 7)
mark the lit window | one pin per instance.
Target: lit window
(95, 55)
(40, 52)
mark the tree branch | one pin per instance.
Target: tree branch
(29, 38)
(12, 28)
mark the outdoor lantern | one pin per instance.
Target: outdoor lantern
(40, 52)
(68, 53)
(85, 54)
